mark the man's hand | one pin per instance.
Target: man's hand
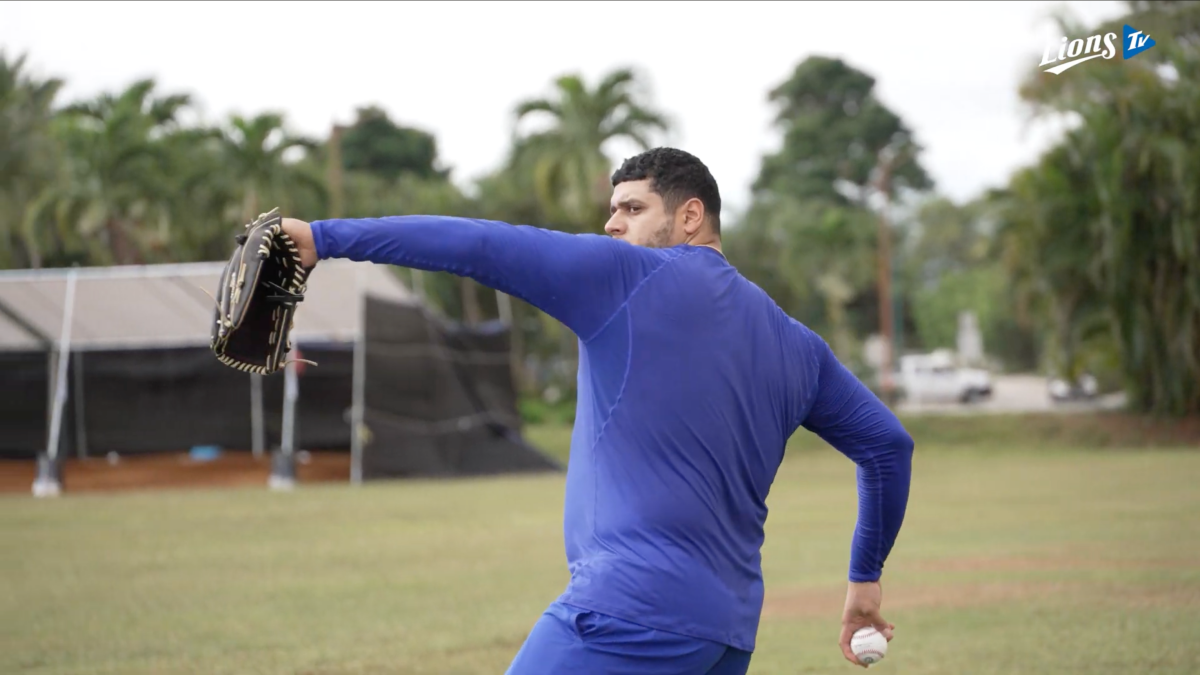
(301, 233)
(862, 610)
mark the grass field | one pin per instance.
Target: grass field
(1044, 558)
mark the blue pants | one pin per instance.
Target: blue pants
(568, 639)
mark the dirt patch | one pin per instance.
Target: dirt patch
(798, 603)
(805, 602)
(1109, 429)
(1125, 430)
(1045, 563)
(810, 602)
(174, 470)
(1176, 596)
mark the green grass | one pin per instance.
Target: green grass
(1023, 560)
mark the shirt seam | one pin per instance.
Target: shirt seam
(625, 303)
(694, 630)
(876, 495)
(624, 382)
(815, 386)
(629, 351)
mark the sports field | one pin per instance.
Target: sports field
(1048, 558)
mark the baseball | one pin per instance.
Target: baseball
(868, 645)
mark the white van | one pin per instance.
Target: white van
(936, 377)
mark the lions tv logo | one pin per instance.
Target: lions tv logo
(1103, 46)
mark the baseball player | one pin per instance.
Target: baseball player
(691, 380)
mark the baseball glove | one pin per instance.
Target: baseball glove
(257, 296)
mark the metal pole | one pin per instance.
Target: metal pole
(256, 414)
(64, 357)
(359, 382)
(885, 277)
(516, 342)
(289, 409)
(898, 317)
(80, 421)
(52, 357)
(504, 304)
(283, 467)
(334, 172)
(22, 323)
(418, 282)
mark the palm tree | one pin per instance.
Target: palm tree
(568, 162)
(254, 149)
(115, 194)
(27, 157)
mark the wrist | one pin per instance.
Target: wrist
(320, 244)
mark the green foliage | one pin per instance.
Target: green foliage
(786, 246)
(536, 410)
(376, 145)
(28, 158)
(834, 131)
(119, 179)
(936, 308)
(950, 263)
(1104, 232)
(1089, 259)
(254, 152)
(113, 202)
(810, 238)
(567, 161)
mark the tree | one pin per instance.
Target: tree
(567, 161)
(115, 193)
(207, 202)
(810, 227)
(28, 158)
(376, 145)
(835, 132)
(254, 151)
(560, 175)
(952, 264)
(1107, 225)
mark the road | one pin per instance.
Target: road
(1014, 394)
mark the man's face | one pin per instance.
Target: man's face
(640, 218)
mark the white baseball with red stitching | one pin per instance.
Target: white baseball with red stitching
(868, 645)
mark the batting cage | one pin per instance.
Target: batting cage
(114, 363)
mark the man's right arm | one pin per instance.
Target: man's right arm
(579, 279)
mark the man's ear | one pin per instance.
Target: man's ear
(692, 216)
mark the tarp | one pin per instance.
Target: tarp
(144, 306)
(438, 397)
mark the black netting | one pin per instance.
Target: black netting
(24, 386)
(162, 400)
(440, 399)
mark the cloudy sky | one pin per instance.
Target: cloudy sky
(457, 69)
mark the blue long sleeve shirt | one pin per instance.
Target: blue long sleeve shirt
(691, 380)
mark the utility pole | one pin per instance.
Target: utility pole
(887, 162)
(336, 194)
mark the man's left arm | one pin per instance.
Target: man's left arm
(848, 416)
(579, 279)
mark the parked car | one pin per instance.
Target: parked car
(936, 377)
(1083, 389)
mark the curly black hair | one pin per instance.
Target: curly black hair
(676, 176)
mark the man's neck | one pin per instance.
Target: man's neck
(710, 242)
